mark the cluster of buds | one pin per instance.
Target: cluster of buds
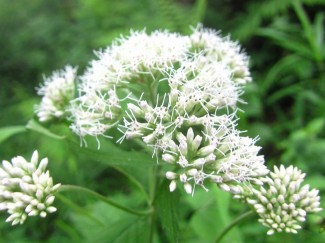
(282, 203)
(94, 113)
(26, 188)
(57, 92)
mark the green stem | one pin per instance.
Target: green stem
(102, 198)
(233, 224)
(153, 185)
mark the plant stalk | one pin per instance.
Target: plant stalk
(233, 224)
(104, 199)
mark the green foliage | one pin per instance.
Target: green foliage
(117, 226)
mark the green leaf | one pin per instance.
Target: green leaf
(199, 10)
(316, 181)
(167, 207)
(110, 154)
(285, 65)
(287, 41)
(211, 215)
(126, 230)
(315, 126)
(7, 132)
(136, 165)
(319, 33)
(79, 210)
(35, 126)
(120, 227)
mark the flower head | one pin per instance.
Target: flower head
(26, 188)
(202, 78)
(203, 147)
(94, 112)
(56, 92)
(224, 50)
(282, 202)
(215, 153)
(192, 124)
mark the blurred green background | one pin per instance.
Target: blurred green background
(285, 102)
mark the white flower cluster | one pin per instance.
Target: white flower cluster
(26, 188)
(56, 92)
(179, 95)
(224, 50)
(282, 202)
(98, 107)
(139, 62)
(190, 124)
(178, 92)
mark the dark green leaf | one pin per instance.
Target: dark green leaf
(285, 65)
(136, 165)
(167, 207)
(110, 154)
(287, 41)
(120, 227)
(126, 230)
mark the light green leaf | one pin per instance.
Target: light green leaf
(319, 33)
(316, 181)
(315, 126)
(35, 126)
(7, 132)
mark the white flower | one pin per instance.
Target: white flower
(215, 154)
(56, 92)
(211, 149)
(94, 113)
(224, 50)
(142, 52)
(200, 83)
(203, 83)
(132, 56)
(282, 202)
(127, 60)
(26, 188)
(178, 91)
(191, 125)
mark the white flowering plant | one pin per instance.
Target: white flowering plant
(163, 110)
